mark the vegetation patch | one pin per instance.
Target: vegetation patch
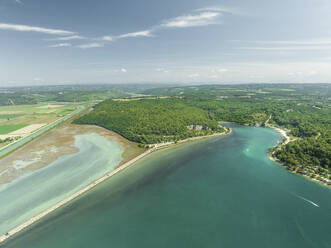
(9, 116)
(303, 110)
(152, 121)
(6, 129)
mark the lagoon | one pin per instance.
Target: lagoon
(35, 192)
(218, 192)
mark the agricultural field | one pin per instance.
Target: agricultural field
(34, 114)
(6, 129)
(21, 120)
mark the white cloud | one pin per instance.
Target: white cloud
(195, 75)
(73, 37)
(25, 28)
(38, 79)
(18, 1)
(313, 72)
(161, 70)
(107, 38)
(201, 19)
(222, 70)
(123, 70)
(281, 48)
(216, 9)
(61, 45)
(144, 33)
(207, 16)
(219, 70)
(282, 45)
(91, 45)
(313, 42)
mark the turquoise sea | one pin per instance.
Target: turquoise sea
(218, 192)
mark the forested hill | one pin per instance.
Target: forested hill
(303, 110)
(152, 121)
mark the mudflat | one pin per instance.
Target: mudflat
(55, 143)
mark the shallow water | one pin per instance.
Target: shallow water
(220, 192)
(27, 196)
(20, 143)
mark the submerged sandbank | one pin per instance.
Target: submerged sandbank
(96, 182)
(39, 190)
(201, 194)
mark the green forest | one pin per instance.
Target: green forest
(303, 110)
(152, 121)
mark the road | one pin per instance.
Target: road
(9, 148)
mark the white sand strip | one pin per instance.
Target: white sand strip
(283, 134)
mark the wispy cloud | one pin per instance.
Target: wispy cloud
(61, 45)
(195, 75)
(91, 45)
(197, 18)
(201, 19)
(25, 28)
(38, 79)
(207, 16)
(216, 9)
(124, 70)
(280, 48)
(313, 42)
(107, 38)
(144, 33)
(279, 45)
(18, 1)
(161, 70)
(73, 37)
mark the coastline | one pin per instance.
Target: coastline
(286, 140)
(154, 148)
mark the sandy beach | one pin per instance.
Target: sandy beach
(154, 147)
(287, 139)
(283, 134)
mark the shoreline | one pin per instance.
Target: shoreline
(283, 143)
(63, 202)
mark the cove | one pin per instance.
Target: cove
(218, 192)
(27, 196)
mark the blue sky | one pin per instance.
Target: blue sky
(184, 41)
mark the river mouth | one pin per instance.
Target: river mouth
(218, 192)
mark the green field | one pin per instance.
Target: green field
(6, 129)
(9, 116)
(36, 113)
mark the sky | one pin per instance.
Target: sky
(44, 42)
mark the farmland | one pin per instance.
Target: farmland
(21, 120)
(6, 129)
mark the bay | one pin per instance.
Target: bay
(218, 192)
